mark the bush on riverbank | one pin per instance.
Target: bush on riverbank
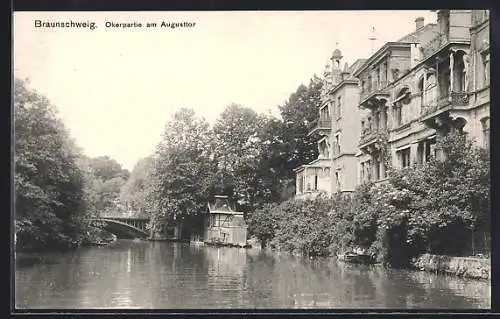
(438, 207)
(468, 267)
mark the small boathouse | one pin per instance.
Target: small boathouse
(223, 225)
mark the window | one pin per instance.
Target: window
(426, 150)
(398, 116)
(339, 107)
(215, 220)
(337, 180)
(301, 184)
(420, 152)
(486, 132)
(377, 120)
(430, 90)
(403, 98)
(362, 172)
(369, 84)
(325, 113)
(459, 71)
(385, 73)
(430, 149)
(486, 68)
(384, 118)
(404, 157)
(368, 168)
(337, 144)
(444, 83)
(323, 149)
(376, 166)
(363, 84)
(377, 79)
(383, 173)
(315, 182)
(421, 90)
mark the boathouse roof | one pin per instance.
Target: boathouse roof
(221, 205)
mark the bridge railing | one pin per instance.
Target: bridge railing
(121, 216)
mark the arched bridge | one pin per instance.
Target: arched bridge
(125, 227)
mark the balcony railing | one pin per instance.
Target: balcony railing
(370, 135)
(460, 98)
(324, 123)
(367, 95)
(457, 99)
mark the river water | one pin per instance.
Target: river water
(162, 275)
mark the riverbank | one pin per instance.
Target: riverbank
(466, 267)
(95, 237)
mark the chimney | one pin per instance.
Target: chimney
(419, 23)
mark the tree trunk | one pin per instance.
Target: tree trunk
(473, 244)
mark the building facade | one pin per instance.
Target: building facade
(392, 94)
(479, 90)
(391, 109)
(337, 125)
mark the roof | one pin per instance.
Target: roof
(379, 54)
(316, 163)
(356, 65)
(221, 205)
(337, 54)
(414, 37)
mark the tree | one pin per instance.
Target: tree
(180, 180)
(133, 194)
(241, 150)
(107, 168)
(104, 179)
(49, 200)
(299, 115)
(263, 222)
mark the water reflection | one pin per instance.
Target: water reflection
(172, 275)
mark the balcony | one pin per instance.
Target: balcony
(323, 126)
(373, 99)
(443, 104)
(460, 98)
(371, 138)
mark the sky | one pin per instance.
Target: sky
(115, 88)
